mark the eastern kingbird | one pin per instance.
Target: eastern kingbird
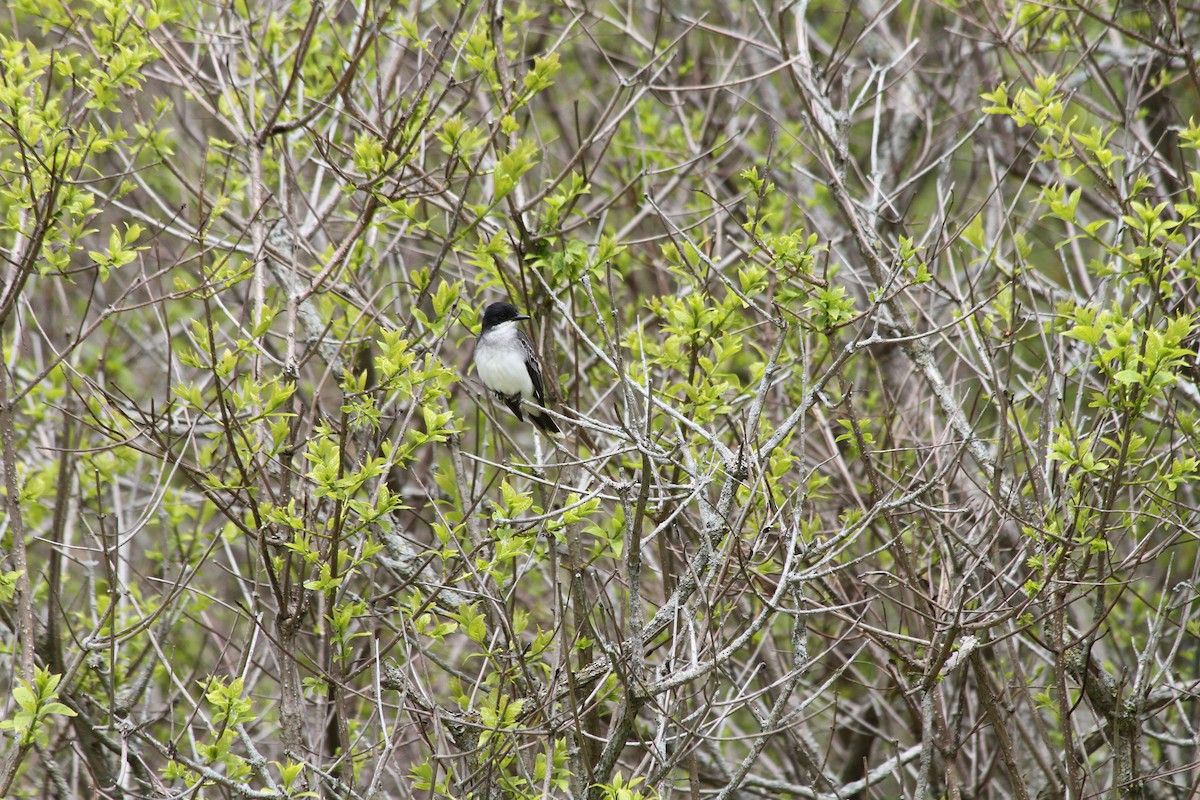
(508, 366)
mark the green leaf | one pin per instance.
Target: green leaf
(973, 233)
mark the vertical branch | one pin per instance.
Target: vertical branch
(20, 561)
(12, 504)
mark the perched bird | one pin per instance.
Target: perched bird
(507, 365)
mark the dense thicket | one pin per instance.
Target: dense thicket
(872, 328)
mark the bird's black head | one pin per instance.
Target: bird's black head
(498, 313)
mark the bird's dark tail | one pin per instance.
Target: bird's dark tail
(545, 423)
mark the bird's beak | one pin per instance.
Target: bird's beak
(522, 316)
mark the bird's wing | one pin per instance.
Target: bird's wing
(534, 368)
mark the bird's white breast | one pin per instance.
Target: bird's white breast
(500, 362)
